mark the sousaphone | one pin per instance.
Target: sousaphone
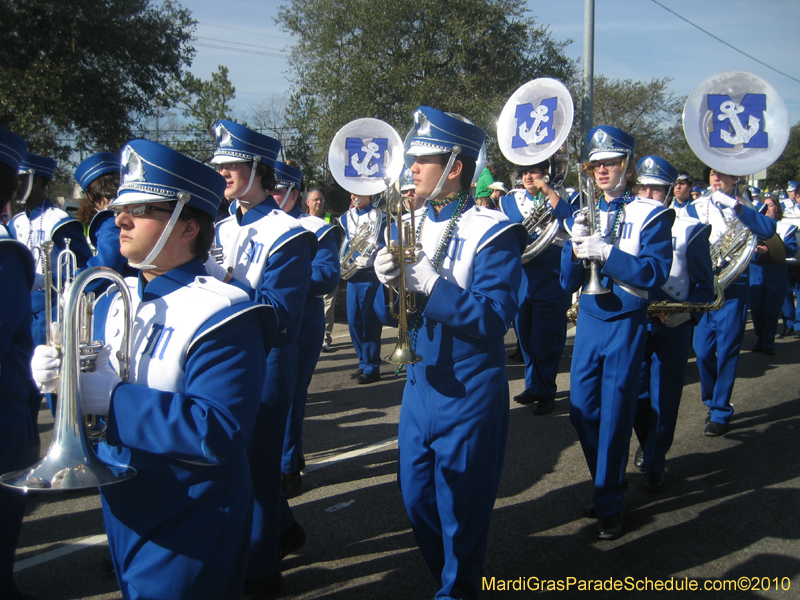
(737, 124)
(365, 158)
(532, 128)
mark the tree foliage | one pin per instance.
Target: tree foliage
(787, 167)
(384, 58)
(87, 68)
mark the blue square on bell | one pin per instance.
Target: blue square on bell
(654, 170)
(42, 166)
(366, 160)
(437, 132)
(152, 172)
(12, 149)
(287, 175)
(96, 165)
(237, 143)
(609, 142)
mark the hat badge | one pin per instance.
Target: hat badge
(422, 126)
(132, 167)
(224, 139)
(601, 139)
(649, 166)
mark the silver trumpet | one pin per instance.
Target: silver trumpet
(594, 287)
(71, 463)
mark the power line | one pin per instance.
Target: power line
(242, 44)
(761, 62)
(242, 50)
(275, 37)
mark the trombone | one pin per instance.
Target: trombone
(594, 287)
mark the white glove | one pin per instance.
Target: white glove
(421, 276)
(593, 247)
(98, 387)
(676, 319)
(46, 367)
(579, 229)
(385, 267)
(216, 270)
(364, 262)
(723, 200)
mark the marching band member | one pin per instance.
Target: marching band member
(271, 252)
(769, 278)
(454, 415)
(669, 338)
(718, 336)
(541, 322)
(17, 435)
(682, 194)
(363, 322)
(633, 242)
(98, 177)
(41, 221)
(181, 527)
(324, 280)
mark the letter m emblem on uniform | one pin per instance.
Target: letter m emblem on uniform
(254, 251)
(737, 124)
(159, 338)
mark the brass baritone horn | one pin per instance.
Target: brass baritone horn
(71, 463)
(406, 253)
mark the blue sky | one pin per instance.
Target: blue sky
(634, 39)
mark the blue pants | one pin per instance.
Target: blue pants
(604, 390)
(790, 321)
(309, 345)
(451, 458)
(717, 341)
(187, 542)
(541, 325)
(666, 355)
(15, 431)
(365, 326)
(264, 455)
(767, 292)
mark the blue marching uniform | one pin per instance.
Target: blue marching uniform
(272, 253)
(718, 336)
(610, 337)
(362, 287)
(541, 322)
(324, 280)
(768, 284)
(180, 527)
(454, 415)
(16, 388)
(666, 354)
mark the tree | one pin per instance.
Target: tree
(787, 167)
(87, 68)
(384, 58)
(203, 102)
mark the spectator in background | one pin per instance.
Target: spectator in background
(498, 190)
(486, 178)
(315, 206)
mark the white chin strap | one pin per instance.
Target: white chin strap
(286, 195)
(455, 152)
(623, 179)
(256, 160)
(146, 265)
(28, 191)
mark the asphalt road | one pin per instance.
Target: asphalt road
(729, 512)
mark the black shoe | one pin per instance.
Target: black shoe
(262, 588)
(291, 540)
(757, 348)
(356, 374)
(769, 351)
(525, 398)
(638, 459)
(610, 528)
(371, 378)
(516, 357)
(291, 483)
(655, 483)
(543, 406)
(714, 429)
